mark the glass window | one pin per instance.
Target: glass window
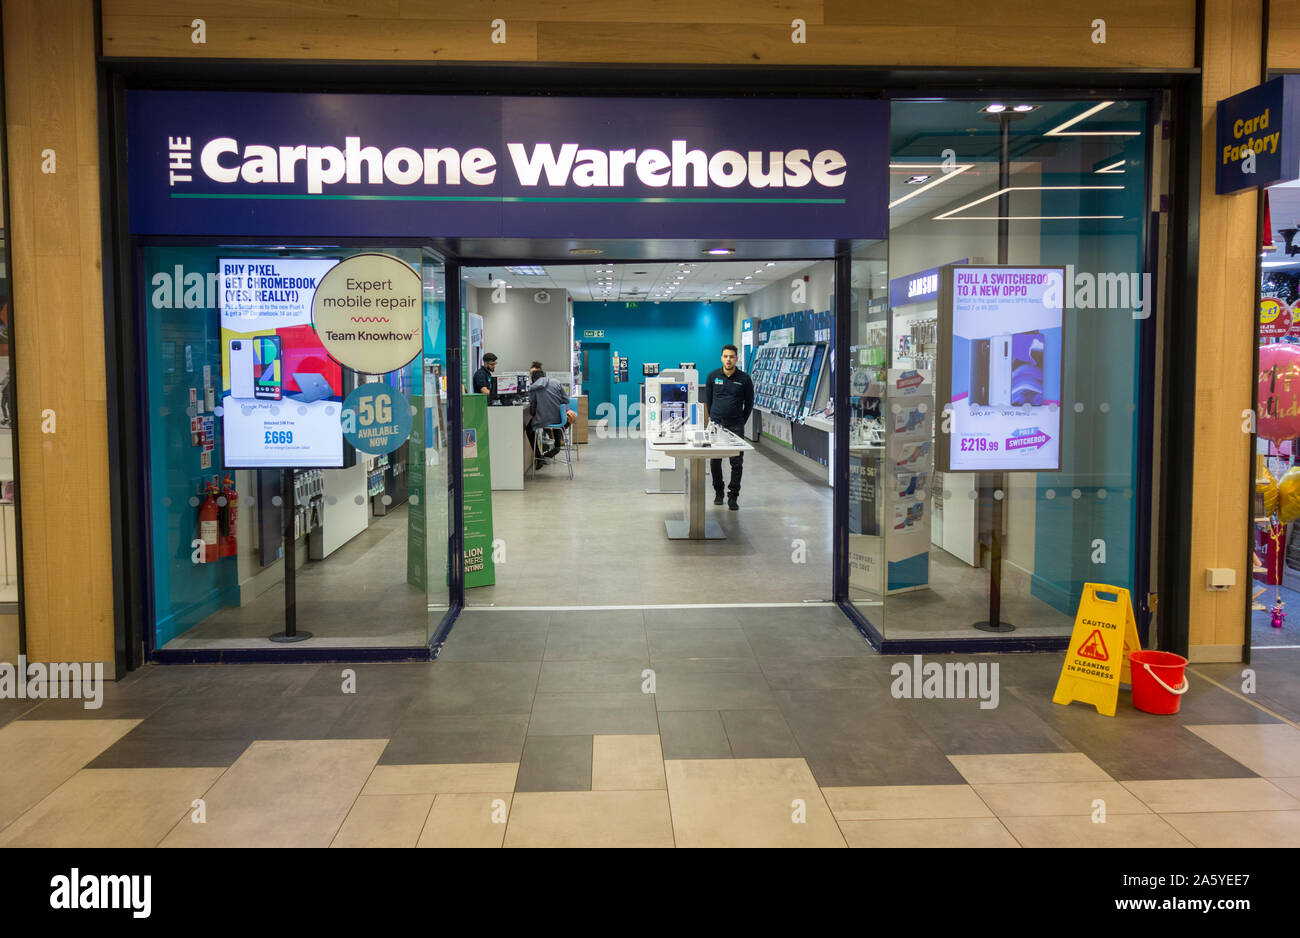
(1017, 184)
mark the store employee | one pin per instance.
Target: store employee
(482, 382)
(729, 396)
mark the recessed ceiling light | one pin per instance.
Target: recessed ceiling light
(994, 108)
(1025, 108)
(720, 251)
(749, 278)
(771, 263)
(585, 251)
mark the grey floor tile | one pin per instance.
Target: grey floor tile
(511, 620)
(555, 763)
(131, 708)
(591, 642)
(722, 618)
(697, 643)
(496, 737)
(203, 718)
(472, 644)
(369, 718)
(598, 618)
(370, 679)
(693, 734)
(12, 708)
(747, 664)
(159, 753)
(759, 734)
(678, 690)
(624, 713)
(592, 677)
(828, 673)
(478, 687)
(804, 639)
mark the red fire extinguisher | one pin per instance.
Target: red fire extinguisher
(208, 522)
(228, 545)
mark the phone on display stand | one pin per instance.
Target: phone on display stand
(241, 368)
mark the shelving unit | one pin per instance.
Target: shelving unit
(783, 375)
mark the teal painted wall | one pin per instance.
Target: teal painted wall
(667, 333)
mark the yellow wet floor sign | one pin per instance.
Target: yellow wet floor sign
(1096, 663)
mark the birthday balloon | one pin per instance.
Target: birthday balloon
(1279, 391)
(1288, 496)
(1266, 489)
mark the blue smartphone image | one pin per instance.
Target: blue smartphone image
(1027, 350)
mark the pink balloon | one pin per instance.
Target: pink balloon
(1279, 391)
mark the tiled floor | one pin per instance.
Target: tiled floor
(728, 727)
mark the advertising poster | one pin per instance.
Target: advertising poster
(909, 463)
(477, 475)
(281, 391)
(1002, 342)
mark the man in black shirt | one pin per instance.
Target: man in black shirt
(482, 383)
(729, 396)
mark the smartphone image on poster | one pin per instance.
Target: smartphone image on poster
(267, 382)
(241, 368)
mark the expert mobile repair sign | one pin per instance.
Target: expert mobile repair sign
(223, 163)
(1258, 138)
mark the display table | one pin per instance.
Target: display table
(506, 445)
(695, 526)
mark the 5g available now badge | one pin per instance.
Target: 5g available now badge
(376, 418)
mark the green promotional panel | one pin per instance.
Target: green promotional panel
(477, 480)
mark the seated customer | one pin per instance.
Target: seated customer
(548, 403)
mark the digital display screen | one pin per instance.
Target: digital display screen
(507, 384)
(281, 391)
(1001, 366)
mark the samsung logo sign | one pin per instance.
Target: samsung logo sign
(923, 285)
(225, 160)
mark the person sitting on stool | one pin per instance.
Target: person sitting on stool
(729, 397)
(549, 404)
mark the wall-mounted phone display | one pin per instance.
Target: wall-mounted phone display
(1002, 338)
(281, 391)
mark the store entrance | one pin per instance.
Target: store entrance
(603, 518)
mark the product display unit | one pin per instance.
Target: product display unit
(784, 375)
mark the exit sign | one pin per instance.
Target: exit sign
(593, 333)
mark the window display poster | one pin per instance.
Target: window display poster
(1002, 340)
(281, 391)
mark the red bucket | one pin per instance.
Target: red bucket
(1158, 681)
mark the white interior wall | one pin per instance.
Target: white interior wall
(521, 330)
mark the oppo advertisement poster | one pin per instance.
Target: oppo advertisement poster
(1003, 344)
(281, 392)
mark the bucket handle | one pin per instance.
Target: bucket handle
(1180, 691)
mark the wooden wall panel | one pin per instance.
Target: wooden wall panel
(1225, 333)
(57, 282)
(1284, 35)
(1153, 34)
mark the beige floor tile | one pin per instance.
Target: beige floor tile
(437, 779)
(590, 819)
(283, 793)
(748, 803)
(1049, 799)
(1240, 828)
(467, 820)
(1289, 785)
(627, 763)
(1192, 795)
(384, 821)
(111, 808)
(1029, 767)
(40, 755)
(1268, 749)
(1119, 830)
(928, 832)
(898, 802)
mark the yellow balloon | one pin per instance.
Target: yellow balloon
(1288, 491)
(1266, 489)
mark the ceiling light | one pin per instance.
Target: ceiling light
(585, 251)
(771, 263)
(527, 271)
(1025, 108)
(993, 108)
(948, 215)
(720, 251)
(937, 180)
(917, 179)
(749, 278)
(1059, 129)
(1112, 169)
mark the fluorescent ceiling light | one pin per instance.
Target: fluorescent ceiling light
(527, 271)
(948, 215)
(1113, 168)
(1288, 263)
(1059, 129)
(956, 171)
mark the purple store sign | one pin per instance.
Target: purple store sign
(338, 165)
